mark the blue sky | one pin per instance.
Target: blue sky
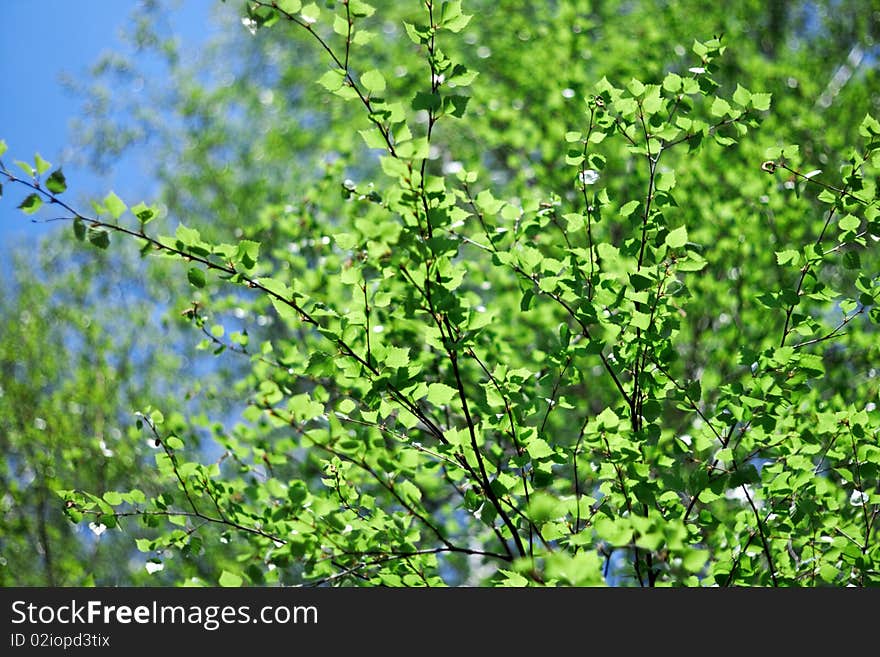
(40, 41)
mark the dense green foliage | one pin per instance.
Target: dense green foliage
(510, 293)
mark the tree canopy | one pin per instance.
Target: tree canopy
(461, 293)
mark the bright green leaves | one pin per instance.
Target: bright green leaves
(460, 76)
(114, 205)
(303, 408)
(849, 223)
(27, 168)
(373, 81)
(289, 6)
(144, 213)
(280, 294)
(247, 252)
(650, 116)
(187, 238)
(310, 13)
(533, 321)
(361, 9)
(31, 203)
(451, 16)
(440, 393)
(373, 139)
(441, 104)
(333, 80)
(111, 205)
(746, 99)
(396, 357)
(868, 128)
(761, 101)
(419, 34)
(41, 166)
(229, 579)
(742, 96)
(56, 182)
(672, 83)
(539, 449)
(789, 257)
(720, 107)
(677, 238)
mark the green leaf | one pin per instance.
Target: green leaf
(113, 498)
(672, 82)
(869, 127)
(114, 205)
(42, 166)
(616, 531)
(290, 6)
(461, 76)
(742, 96)
(849, 222)
(640, 282)
(187, 236)
(636, 88)
(652, 101)
(426, 101)
(413, 149)
(144, 213)
(694, 560)
(310, 13)
(440, 393)
(539, 448)
(512, 579)
(332, 79)
(230, 580)
(247, 253)
(79, 229)
(3, 147)
(373, 138)
(851, 260)
(451, 17)
(346, 241)
(373, 81)
(788, 256)
(677, 238)
(27, 168)
(641, 320)
(396, 357)
(173, 442)
(196, 276)
(455, 105)
(608, 419)
(360, 9)
(761, 101)
(99, 237)
(720, 107)
(340, 25)
(628, 208)
(56, 183)
(418, 34)
(31, 203)
(304, 408)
